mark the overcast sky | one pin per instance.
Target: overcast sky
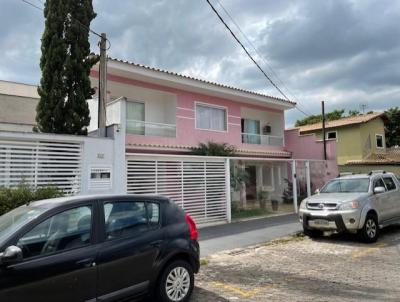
(344, 52)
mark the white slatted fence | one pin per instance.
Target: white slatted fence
(41, 163)
(197, 184)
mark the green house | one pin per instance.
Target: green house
(358, 138)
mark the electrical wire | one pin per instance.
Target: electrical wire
(248, 54)
(257, 52)
(79, 22)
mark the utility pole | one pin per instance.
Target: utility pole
(102, 86)
(323, 128)
(363, 107)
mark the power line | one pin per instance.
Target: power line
(79, 22)
(301, 111)
(261, 57)
(255, 49)
(246, 51)
(250, 56)
(33, 5)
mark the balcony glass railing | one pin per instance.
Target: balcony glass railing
(150, 128)
(258, 139)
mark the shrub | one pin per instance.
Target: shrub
(214, 149)
(11, 198)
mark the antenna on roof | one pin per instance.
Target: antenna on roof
(363, 107)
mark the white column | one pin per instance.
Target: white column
(228, 189)
(308, 178)
(294, 183)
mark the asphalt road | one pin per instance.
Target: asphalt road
(241, 234)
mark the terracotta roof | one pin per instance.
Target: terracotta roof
(189, 148)
(352, 120)
(203, 81)
(389, 158)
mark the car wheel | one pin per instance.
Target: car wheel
(312, 233)
(176, 282)
(370, 231)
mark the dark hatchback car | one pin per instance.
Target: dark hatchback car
(97, 248)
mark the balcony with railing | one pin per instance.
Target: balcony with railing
(258, 139)
(150, 128)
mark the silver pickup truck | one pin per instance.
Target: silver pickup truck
(361, 204)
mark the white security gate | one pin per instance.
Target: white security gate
(197, 184)
(41, 163)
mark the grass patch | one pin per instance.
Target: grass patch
(246, 213)
(298, 236)
(204, 261)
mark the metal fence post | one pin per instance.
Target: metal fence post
(228, 189)
(308, 178)
(294, 185)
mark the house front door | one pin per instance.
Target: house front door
(251, 186)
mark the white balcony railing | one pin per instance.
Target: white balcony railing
(150, 128)
(258, 139)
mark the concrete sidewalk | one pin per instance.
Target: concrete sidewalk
(241, 234)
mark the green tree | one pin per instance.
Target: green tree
(354, 112)
(313, 119)
(65, 64)
(392, 127)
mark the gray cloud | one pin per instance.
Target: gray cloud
(343, 51)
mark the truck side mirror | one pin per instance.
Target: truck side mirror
(379, 190)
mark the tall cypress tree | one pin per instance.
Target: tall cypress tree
(65, 64)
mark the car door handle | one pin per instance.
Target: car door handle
(156, 243)
(88, 262)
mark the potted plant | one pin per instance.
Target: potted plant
(275, 205)
(262, 199)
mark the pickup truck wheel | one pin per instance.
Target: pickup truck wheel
(176, 282)
(312, 233)
(370, 231)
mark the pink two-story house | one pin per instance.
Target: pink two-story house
(165, 115)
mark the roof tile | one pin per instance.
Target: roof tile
(203, 81)
(352, 120)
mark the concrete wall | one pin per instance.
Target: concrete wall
(349, 143)
(310, 147)
(17, 113)
(18, 106)
(370, 129)
(351, 140)
(105, 153)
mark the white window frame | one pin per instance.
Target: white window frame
(211, 106)
(376, 141)
(327, 134)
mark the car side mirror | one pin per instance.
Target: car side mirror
(11, 255)
(317, 191)
(379, 190)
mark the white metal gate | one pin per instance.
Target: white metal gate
(41, 163)
(197, 184)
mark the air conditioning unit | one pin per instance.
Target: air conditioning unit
(267, 129)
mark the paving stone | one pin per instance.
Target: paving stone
(336, 268)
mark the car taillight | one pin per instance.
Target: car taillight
(194, 234)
